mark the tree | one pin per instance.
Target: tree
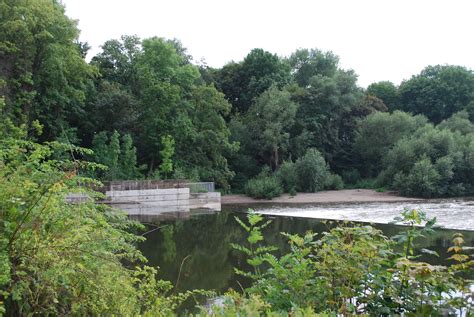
(387, 92)
(166, 166)
(119, 157)
(243, 162)
(269, 119)
(458, 122)
(379, 132)
(203, 143)
(111, 107)
(117, 61)
(44, 73)
(151, 90)
(438, 92)
(163, 81)
(129, 169)
(312, 171)
(308, 63)
(245, 81)
(431, 162)
(324, 119)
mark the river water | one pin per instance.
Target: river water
(450, 213)
(195, 252)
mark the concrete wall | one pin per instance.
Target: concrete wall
(211, 200)
(149, 201)
(153, 197)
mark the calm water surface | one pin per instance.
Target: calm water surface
(195, 252)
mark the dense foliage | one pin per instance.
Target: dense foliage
(149, 112)
(418, 158)
(351, 270)
(264, 125)
(63, 258)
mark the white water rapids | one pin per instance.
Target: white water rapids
(450, 213)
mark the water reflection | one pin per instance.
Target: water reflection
(195, 252)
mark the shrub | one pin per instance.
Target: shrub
(286, 174)
(61, 258)
(368, 183)
(264, 186)
(352, 270)
(311, 171)
(334, 181)
(432, 162)
(377, 134)
(351, 176)
(292, 192)
(422, 181)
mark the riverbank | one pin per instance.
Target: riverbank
(331, 196)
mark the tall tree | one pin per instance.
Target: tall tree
(270, 119)
(306, 63)
(438, 92)
(324, 117)
(245, 81)
(44, 73)
(387, 92)
(204, 145)
(164, 81)
(117, 61)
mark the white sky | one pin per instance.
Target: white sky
(379, 39)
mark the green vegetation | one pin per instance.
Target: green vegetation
(309, 173)
(416, 157)
(60, 258)
(351, 270)
(148, 112)
(265, 125)
(264, 186)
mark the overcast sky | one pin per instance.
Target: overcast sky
(379, 39)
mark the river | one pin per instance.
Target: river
(450, 213)
(195, 252)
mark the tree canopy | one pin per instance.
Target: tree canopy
(149, 111)
(438, 92)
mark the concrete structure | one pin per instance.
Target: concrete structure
(149, 201)
(211, 200)
(138, 198)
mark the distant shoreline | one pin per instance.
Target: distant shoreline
(332, 196)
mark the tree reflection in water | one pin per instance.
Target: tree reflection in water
(199, 247)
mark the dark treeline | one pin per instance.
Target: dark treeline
(266, 124)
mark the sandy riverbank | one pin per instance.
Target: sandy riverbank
(332, 196)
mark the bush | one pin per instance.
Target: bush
(433, 162)
(351, 176)
(377, 134)
(61, 258)
(312, 171)
(422, 181)
(286, 174)
(368, 183)
(292, 192)
(334, 181)
(382, 276)
(264, 186)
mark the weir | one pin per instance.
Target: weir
(151, 198)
